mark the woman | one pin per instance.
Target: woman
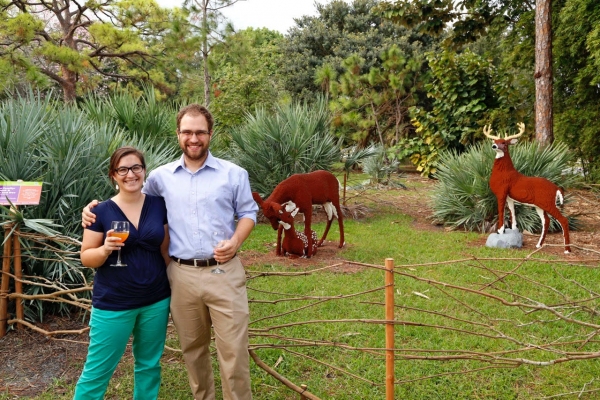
(133, 299)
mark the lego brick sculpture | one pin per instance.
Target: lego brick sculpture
(294, 244)
(304, 190)
(509, 186)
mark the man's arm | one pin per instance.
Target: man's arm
(164, 247)
(88, 217)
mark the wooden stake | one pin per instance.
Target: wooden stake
(18, 275)
(4, 283)
(302, 396)
(389, 329)
(281, 378)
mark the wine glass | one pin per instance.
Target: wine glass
(217, 241)
(121, 231)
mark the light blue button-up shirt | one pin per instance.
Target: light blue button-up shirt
(203, 204)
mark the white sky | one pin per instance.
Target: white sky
(277, 15)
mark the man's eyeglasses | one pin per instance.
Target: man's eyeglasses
(197, 133)
(136, 169)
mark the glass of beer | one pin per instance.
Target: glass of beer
(121, 231)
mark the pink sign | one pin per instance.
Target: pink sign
(20, 193)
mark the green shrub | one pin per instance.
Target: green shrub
(463, 199)
(578, 128)
(273, 146)
(378, 167)
(143, 116)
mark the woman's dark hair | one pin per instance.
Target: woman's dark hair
(120, 153)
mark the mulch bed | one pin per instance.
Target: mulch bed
(31, 361)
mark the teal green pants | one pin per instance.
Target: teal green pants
(109, 334)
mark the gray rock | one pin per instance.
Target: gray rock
(510, 239)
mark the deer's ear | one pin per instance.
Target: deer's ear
(257, 198)
(514, 141)
(289, 206)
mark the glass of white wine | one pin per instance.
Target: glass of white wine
(121, 231)
(217, 241)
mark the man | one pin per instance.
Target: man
(203, 195)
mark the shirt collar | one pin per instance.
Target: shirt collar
(210, 162)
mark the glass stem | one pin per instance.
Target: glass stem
(119, 257)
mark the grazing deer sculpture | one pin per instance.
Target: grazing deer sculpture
(304, 190)
(509, 186)
(295, 244)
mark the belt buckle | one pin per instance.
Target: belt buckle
(200, 263)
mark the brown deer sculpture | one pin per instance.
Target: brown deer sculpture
(304, 190)
(509, 186)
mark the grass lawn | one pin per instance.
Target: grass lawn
(472, 322)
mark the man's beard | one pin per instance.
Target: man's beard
(195, 156)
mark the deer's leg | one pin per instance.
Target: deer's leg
(307, 221)
(564, 224)
(340, 218)
(545, 225)
(513, 215)
(315, 241)
(278, 248)
(501, 205)
(330, 211)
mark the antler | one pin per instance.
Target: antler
(487, 131)
(521, 126)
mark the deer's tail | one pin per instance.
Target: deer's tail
(559, 197)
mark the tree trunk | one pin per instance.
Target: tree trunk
(205, 32)
(543, 72)
(68, 84)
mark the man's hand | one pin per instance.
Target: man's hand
(88, 217)
(226, 250)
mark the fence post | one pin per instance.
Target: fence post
(4, 281)
(389, 329)
(302, 396)
(18, 276)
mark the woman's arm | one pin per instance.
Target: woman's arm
(93, 252)
(164, 247)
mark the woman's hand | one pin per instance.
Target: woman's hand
(112, 243)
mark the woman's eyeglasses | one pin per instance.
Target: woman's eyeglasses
(136, 169)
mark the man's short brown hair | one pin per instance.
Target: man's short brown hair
(196, 109)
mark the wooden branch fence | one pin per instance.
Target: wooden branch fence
(461, 301)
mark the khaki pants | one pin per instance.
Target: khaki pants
(200, 299)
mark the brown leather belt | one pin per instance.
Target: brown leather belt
(196, 262)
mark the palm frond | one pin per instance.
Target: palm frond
(273, 146)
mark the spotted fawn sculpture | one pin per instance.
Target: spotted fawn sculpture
(295, 244)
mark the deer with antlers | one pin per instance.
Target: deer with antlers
(509, 186)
